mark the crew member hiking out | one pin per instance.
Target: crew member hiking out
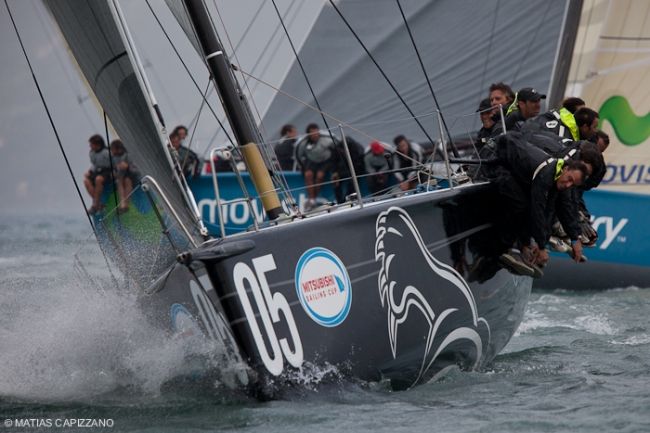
(100, 172)
(529, 189)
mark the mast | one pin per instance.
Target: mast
(563, 55)
(233, 100)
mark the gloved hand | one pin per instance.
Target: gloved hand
(589, 236)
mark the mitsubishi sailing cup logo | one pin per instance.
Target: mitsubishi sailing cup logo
(323, 286)
(413, 282)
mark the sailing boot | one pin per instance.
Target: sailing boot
(513, 261)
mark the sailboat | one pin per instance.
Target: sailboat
(605, 63)
(376, 289)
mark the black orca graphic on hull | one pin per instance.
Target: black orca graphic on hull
(412, 280)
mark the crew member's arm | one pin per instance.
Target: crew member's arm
(300, 156)
(541, 186)
(567, 213)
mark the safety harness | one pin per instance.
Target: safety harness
(559, 164)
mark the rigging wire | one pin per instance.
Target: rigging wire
(257, 62)
(248, 27)
(268, 154)
(271, 56)
(325, 113)
(189, 73)
(426, 76)
(56, 133)
(80, 97)
(204, 97)
(260, 81)
(304, 73)
(265, 54)
(234, 53)
(487, 57)
(110, 160)
(196, 124)
(381, 71)
(49, 116)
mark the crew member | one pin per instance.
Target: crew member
(530, 192)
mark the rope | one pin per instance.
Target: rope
(381, 71)
(426, 76)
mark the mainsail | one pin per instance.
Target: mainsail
(609, 71)
(463, 53)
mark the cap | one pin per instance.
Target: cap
(484, 105)
(529, 94)
(376, 148)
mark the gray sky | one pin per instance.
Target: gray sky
(33, 175)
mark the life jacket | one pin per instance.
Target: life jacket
(566, 121)
(560, 122)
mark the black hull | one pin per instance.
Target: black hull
(377, 294)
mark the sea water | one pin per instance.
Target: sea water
(77, 354)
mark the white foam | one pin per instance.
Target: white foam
(534, 320)
(634, 340)
(546, 299)
(595, 324)
(311, 375)
(70, 342)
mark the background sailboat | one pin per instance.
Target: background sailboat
(609, 69)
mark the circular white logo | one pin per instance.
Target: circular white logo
(323, 286)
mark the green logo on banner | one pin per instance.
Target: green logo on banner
(629, 128)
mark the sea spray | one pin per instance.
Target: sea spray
(69, 338)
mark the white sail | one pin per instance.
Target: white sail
(609, 71)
